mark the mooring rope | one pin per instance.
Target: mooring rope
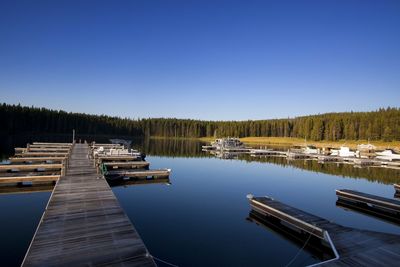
(163, 261)
(298, 252)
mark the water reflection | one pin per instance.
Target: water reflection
(192, 148)
(170, 147)
(374, 174)
(189, 148)
(362, 208)
(134, 182)
(307, 242)
(199, 219)
(5, 190)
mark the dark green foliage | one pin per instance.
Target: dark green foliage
(15, 119)
(383, 124)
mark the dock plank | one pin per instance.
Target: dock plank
(351, 195)
(84, 225)
(355, 247)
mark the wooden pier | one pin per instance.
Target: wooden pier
(114, 158)
(63, 160)
(83, 224)
(33, 168)
(31, 179)
(350, 246)
(127, 164)
(133, 182)
(147, 174)
(6, 190)
(268, 152)
(377, 202)
(376, 206)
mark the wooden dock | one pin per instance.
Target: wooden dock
(127, 164)
(267, 152)
(63, 160)
(32, 179)
(83, 224)
(146, 174)
(351, 247)
(134, 182)
(6, 190)
(377, 202)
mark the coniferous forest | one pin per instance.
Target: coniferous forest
(382, 124)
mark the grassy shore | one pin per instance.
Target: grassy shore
(288, 141)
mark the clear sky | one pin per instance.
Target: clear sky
(228, 60)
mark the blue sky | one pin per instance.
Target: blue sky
(218, 60)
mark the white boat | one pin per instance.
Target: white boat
(227, 143)
(366, 147)
(310, 150)
(126, 143)
(388, 154)
(344, 151)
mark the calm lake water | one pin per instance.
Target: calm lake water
(201, 217)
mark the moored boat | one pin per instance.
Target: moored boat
(344, 151)
(226, 144)
(388, 154)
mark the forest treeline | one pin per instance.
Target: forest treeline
(382, 124)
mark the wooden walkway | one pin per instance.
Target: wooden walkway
(387, 204)
(376, 206)
(84, 225)
(354, 247)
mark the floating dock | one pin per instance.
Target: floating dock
(385, 204)
(127, 164)
(6, 190)
(376, 206)
(350, 246)
(29, 168)
(269, 152)
(31, 179)
(109, 158)
(147, 174)
(397, 188)
(83, 223)
(63, 160)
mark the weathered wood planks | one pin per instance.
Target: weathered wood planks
(28, 178)
(127, 164)
(84, 225)
(10, 167)
(368, 199)
(354, 247)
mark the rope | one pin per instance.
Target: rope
(298, 252)
(160, 260)
(103, 169)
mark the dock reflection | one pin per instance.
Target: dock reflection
(368, 210)
(133, 182)
(37, 188)
(311, 244)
